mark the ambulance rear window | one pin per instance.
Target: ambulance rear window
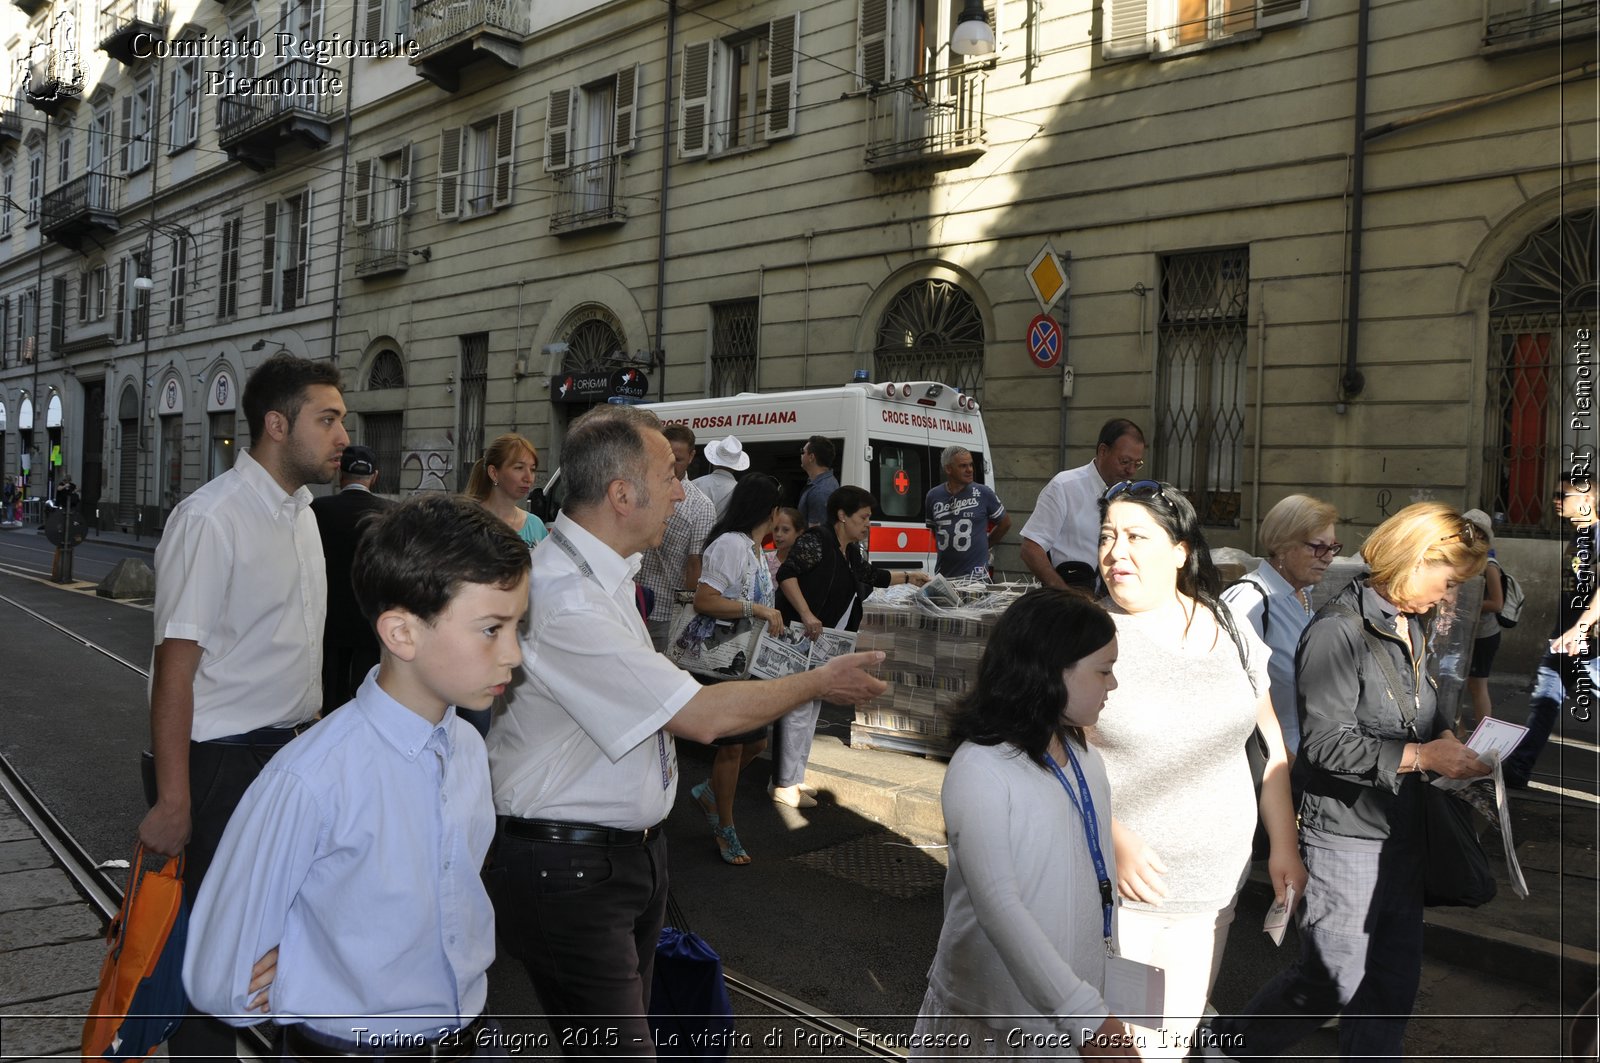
(902, 474)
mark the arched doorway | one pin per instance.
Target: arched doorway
(1541, 358)
(595, 342)
(382, 429)
(932, 330)
(128, 456)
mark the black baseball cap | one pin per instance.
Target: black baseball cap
(358, 461)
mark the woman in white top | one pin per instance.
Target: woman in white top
(1020, 967)
(1297, 540)
(735, 585)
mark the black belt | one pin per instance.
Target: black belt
(458, 1044)
(545, 830)
(263, 736)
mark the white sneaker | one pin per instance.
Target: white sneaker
(792, 796)
(806, 788)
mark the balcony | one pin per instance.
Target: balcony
(380, 248)
(122, 22)
(453, 34)
(1511, 26)
(291, 105)
(929, 122)
(10, 120)
(586, 197)
(54, 79)
(83, 208)
(31, 7)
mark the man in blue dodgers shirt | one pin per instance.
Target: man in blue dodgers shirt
(584, 767)
(960, 512)
(345, 901)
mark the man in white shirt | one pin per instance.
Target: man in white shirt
(241, 595)
(582, 761)
(673, 564)
(1061, 540)
(726, 457)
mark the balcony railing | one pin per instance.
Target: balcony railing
(293, 102)
(1516, 25)
(86, 203)
(437, 24)
(931, 121)
(381, 248)
(121, 21)
(586, 196)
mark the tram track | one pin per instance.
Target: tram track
(104, 893)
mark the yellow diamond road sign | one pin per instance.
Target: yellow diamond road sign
(1047, 277)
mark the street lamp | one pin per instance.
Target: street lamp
(972, 34)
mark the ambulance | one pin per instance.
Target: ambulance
(888, 438)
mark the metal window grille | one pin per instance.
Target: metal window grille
(474, 395)
(592, 346)
(1542, 315)
(387, 372)
(734, 347)
(1201, 349)
(383, 436)
(932, 331)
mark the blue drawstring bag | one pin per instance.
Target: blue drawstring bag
(691, 1016)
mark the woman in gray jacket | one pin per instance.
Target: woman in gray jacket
(1365, 755)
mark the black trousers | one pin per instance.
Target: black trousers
(584, 920)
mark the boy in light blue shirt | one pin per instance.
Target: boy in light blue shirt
(344, 901)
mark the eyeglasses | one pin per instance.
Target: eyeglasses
(1469, 532)
(1135, 489)
(1322, 550)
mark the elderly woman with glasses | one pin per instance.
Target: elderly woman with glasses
(1297, 539)
(1364, 755)
(1193, 689)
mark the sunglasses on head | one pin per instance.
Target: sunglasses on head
(1469, 532)
(1135, 489)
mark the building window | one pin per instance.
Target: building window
(381, 201)
(171, 460)
(1541, 357)
(100, 125)
(901, 39)
(5, 201)
(228, 267)
(383, 432)
(223, 449)
(739, 91)
(932, 331)
(63, 155)
(387, 372)
(386, 20)
(587, 130)
(474, 396)
(183, 107)
(133, 305)
(242, 63)
(286, 251)
(92, 293)
(735, 328)
(1201, 346)
(35, 184)
(476, 166)
(28, 323)
(137, 111)
(301, 18)
(58, 314)
(1153, 27)
(177, 283)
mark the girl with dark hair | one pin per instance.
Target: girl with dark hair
(735, 585)
(1026, 929)
(1194, 685)
(824, 583)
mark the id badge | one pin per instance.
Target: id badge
(1135, 991)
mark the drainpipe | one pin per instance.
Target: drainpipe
(1351, 380)
(661, 228)
(344, 180)
(1261, 389)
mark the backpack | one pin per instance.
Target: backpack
(1511, 611)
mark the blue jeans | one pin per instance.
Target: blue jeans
(1558, 676)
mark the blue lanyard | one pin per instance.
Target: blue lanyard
(1091, 831)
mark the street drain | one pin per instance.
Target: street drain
(879, 862)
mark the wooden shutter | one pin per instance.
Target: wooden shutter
(361, 204)
(269, 251)
(558, 130)
(449, 201)
(783, 61)
(505, 149)
(173, 114)
(302, 256)
(694, 101)
(1125, 28)
(1277, 12)
(626, 135)
(372, 28)
(83, 296)
(127, 133)
(122, 300)
(194, 101)
(875, 42)
(403, 203)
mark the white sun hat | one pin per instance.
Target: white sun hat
(729, 453)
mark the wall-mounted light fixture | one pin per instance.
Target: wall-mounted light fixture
(261, 345)
(972, 35)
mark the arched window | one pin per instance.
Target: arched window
(1541, 358)
(932, 331)
(382, 429)
(387, 372)
(591, 346)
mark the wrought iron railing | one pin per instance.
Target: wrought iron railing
(926, 117)
(381, 247)
(10, 120)
(240, 115)
(98, 193)
(1511, 22)
(438, 23)
(587, 195)
(121, 15)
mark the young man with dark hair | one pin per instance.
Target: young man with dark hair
(345, 900)
(817, 458)
(241, 594)
(1061, 538)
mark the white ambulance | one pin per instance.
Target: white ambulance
(888, 438)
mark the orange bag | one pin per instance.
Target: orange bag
(140, 1001)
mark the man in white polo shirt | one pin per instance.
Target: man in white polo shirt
(582, 761)
(241, 593)
(1061, 540)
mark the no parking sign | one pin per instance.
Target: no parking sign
(1044, 341)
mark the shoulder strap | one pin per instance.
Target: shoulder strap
(1385, 665)
(1266, 605)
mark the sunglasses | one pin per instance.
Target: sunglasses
(1135, 489)
(1469, 532)
(1322, 550)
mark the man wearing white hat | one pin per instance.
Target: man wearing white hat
(727, 457)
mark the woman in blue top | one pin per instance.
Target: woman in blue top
(502, 479)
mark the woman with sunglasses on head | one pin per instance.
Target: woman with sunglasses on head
(1021, 963)
(1297, 539)
(1363, 758)
(1192, 688)
(501, 481)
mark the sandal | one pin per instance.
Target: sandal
(708, 803)
(728, 844)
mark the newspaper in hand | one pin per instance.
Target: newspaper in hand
(790, 651)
